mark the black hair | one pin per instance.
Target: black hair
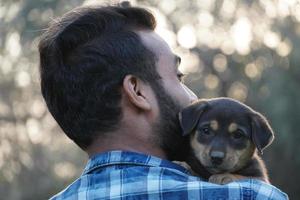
(84, 57)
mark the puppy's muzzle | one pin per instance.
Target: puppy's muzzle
(217, 157)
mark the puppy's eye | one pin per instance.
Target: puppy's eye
(238, 134)
(205, 130)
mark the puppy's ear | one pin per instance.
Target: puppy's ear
(262, 133)
(190, 116)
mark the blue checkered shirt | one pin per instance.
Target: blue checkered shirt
(128, 175)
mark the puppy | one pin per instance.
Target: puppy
(225, 136)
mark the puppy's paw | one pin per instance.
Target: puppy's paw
(223, 178)
(186, 166)
(183, 164)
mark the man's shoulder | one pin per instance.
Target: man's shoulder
(162, 183)
(121, 174)
(125, 180)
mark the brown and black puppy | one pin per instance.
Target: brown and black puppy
(225, 136)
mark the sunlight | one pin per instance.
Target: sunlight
(227, 47)
(205, 36)
(283, 8)
(211, 81)
(215, 37)
(190, 63)
(160, 18)
(167, 35)
(228, 8)
(220, 63)
(186, 36)
(205, 19)
(238, 91)
(296, 11)
(206, 4)
(270, 8)
(12, 11)
(284, 48)
(168, 6)
(12, 45)
(271, 39)
(162, 28)
(65, 170)
(22, 79)
(38, 108)
(241, 33)
(34, 131)
(252, 71)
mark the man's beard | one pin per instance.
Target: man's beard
(167, 129)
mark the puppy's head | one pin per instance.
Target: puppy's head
(224, 133)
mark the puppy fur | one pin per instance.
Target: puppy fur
(225, 138)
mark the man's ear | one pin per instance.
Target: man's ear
(262, 133)
(189, 116)
(135, 90)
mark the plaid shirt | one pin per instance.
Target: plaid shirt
(128, 175)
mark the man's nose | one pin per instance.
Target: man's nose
(192, 95)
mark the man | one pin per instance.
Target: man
(113, 86)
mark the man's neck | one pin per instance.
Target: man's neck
(125, 142)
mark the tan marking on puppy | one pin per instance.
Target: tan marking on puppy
(232, 127)
(236, 159)
(214, 125)
(200, 151)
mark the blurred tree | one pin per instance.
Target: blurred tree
(35, 158)
(247, 50)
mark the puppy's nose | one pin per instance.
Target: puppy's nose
(217, 157)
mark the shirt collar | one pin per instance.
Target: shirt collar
(128, 158)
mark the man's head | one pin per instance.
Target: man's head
(171, 95)
(94, 57)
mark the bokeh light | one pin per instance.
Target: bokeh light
(211, 81)
(238, 91)
(65, 170)
(220, 62)
(186, 36)
(190, 63)
(252, 71)
(241, 32)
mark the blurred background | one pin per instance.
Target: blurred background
(243, 49)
